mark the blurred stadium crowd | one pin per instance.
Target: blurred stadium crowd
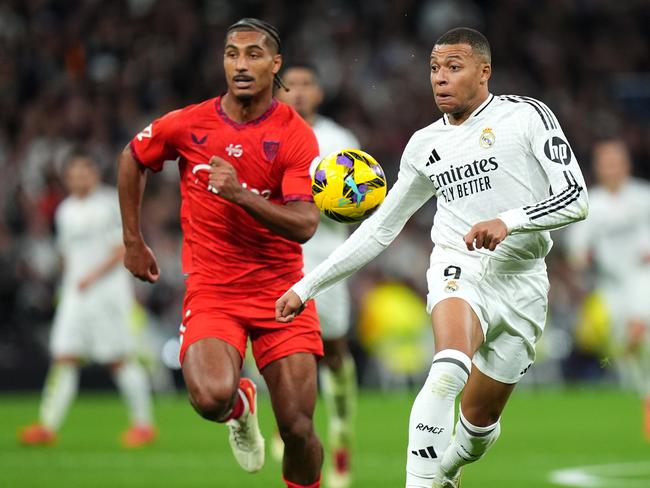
(93, 73)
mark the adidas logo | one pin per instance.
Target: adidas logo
(434, 158)
(429, 453)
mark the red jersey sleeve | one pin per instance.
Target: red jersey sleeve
(154, 144)
(302, 148)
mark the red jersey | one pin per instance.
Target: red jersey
(222, 244)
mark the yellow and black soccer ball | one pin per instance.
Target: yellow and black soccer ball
(348, 185)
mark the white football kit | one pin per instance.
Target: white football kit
(509, 159)
(92, 323)
(617, 234)
(335, 303)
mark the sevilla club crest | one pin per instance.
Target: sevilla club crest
(270, 150)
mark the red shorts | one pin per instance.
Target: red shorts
(234, 318)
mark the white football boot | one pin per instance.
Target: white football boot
(245, 437)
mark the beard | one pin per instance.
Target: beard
(245, 98)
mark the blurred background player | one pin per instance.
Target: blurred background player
(246, 207)
(614, 244)
(92, 317)
(337, 369)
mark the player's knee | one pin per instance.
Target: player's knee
(332, 361)
(296, 430)
(212, 400)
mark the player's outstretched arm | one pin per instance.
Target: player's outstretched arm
(138, 257)
(297, 221)
(288, 307)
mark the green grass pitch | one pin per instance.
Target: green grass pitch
(543, 430)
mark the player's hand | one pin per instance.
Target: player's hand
(87, 281)
(141, 262)
(288, 307)
(486, 235)
(223, 179)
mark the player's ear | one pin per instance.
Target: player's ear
(486, 72)
(277, 63)
(321, 94)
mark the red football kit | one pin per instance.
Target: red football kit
(236, 268)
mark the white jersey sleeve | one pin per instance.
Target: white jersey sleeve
(568, 201)
(410, 192)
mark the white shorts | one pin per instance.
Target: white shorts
(333, 309)
(627, 300)
(509, 298)
(94, 329)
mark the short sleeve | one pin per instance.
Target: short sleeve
(154, 145)
(302, 149)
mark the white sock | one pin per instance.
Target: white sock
(133, 385)
(339, 390)
(61, 386)
(432, 416)
(470, 443)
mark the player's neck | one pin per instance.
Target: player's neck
(614, 187)
(242, 111)
(460, 117)
(311, 119)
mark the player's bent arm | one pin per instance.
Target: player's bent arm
(114, 258)
(296, 220)
(131, 179)
(569, 202)
(408, 194)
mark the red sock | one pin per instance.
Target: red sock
(237, 410)
(291, 484)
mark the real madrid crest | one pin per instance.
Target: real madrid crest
(451, 286)
(487, 138)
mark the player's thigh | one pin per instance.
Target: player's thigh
(456, 326)
(484, 398)
(456, 301)
(519, 303)
(293, 389)
(213, 344)
(211, 369)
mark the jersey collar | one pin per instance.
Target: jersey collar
(475, 113)
(237, 125)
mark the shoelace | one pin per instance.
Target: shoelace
(239, 432)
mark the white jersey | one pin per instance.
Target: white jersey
(329, 234)
(509, 159)
(88, 230)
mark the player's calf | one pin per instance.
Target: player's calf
(303, 452)
(432, 416)
(470, 443)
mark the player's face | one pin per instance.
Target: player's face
(305, 95)
(80, 177)
(611, 164)
(457, 77)
(250, 64)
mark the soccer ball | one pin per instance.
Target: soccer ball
(348, 185)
